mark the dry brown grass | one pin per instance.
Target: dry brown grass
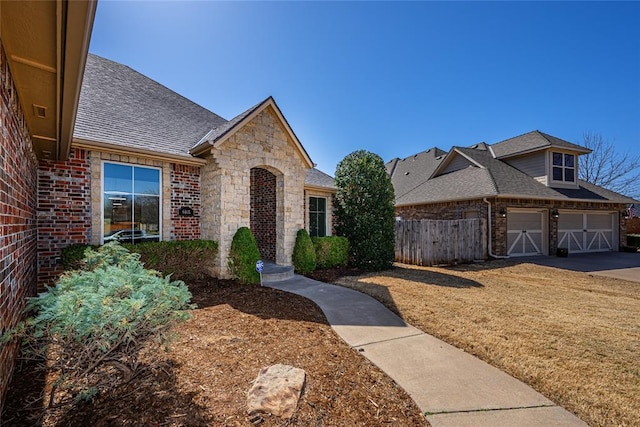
(572, 336)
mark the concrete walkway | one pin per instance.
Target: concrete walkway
(451, 387)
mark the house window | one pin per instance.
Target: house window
(564, 167)
(317, 216)
(131, 201)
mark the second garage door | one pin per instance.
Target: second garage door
(586, 231)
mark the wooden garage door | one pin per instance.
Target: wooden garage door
(525, 233)
(586, 232)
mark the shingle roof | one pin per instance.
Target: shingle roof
(216, 133)
(118, 105)
(532, 141)
(317, 178)
(410, 172)
(494, 178)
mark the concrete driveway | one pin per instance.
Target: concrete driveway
(619, 265)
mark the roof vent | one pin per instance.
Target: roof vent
(439, 158)
(40, 111)
(406, 173)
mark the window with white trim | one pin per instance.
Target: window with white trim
(563, 167)
(131, 203)
(317, 216)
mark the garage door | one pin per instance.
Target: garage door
(525, 233)
(586, 232)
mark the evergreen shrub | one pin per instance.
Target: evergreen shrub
(304, 254)
(243, 256)
(331, 251)
(92, 327)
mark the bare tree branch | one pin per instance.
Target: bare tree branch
(605, 166)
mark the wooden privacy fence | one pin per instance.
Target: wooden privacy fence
(433, 242)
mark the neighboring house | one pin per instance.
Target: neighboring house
(527, 187)
(43, 50)
(145, 158)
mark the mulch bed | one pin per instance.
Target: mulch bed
(236, 331)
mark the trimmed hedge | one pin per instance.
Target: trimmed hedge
(304, 254)
(243, 255)
(633, 240)
(183, 259)
(331, 251)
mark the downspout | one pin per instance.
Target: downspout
(489, 239)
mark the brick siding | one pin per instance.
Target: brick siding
(64, 210)
(633, 226)
(263, 211)
(18, 237)
(185, 192)
(457, 210)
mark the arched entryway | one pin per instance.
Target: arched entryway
(263, 211)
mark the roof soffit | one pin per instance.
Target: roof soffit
(46, 45)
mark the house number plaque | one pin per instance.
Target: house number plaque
(185, 211)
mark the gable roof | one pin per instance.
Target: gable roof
(533, 141)
(122, 107)
(318, 179)
(410, 172)
(217, 136)
(487, 176)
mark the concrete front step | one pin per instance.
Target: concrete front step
(276, 273)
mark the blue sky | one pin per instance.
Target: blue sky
(394, 78)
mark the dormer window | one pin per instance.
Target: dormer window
(563, 167)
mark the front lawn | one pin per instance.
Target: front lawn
(572, 336)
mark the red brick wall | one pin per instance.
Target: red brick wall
(185, 192)
(633, 225)
(18, 176)
(456, 210)
(263, 211)
(64, 210)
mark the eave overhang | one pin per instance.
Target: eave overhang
(46, 43)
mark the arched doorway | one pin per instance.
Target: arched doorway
(263, 211)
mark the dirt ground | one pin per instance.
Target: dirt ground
(572, 336)
(236, 331)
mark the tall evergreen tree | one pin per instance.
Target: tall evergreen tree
(365, 209)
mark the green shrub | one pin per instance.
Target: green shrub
(186, 260)
(92, 326)
(331, 251)
(243, 256)
(72, 256)
(365, 210)
(304, 255)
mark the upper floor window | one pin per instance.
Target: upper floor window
(563, 167)
(131, 203)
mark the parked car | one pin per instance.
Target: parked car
(130, 236)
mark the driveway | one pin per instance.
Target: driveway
(619, 265)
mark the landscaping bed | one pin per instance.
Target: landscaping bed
(235, 331)
(572, 336)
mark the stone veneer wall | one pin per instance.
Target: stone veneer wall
(64, 210)
(456, 210)
(226, 182)
(185, 192)
(18, 199)
(263, 211)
